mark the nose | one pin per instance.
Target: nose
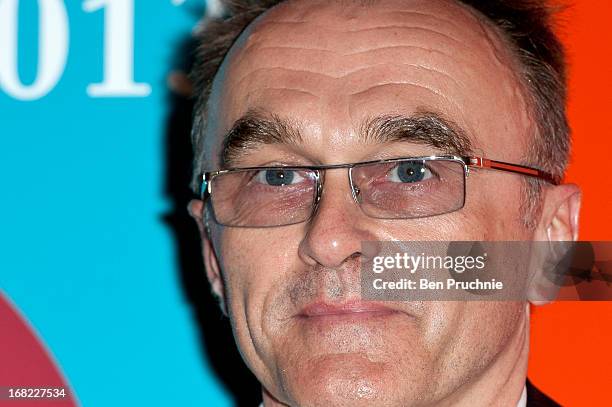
(338, 228)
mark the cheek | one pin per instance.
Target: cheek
(255, 263)
(468, 336)
(253, 259)
(459, 225)
(471, 320)
(494, 203)
(488, 328)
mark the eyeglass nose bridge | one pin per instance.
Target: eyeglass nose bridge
(320, 181)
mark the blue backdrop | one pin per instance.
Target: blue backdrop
(84, 251)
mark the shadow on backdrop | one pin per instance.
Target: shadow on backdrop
(217, 342)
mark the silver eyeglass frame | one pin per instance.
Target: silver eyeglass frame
(467, 162)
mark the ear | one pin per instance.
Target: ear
(196, 209)
(559, 218)
(559, 222)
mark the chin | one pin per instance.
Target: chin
(343, 380)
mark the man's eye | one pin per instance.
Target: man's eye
(409, 172)
(278, 177)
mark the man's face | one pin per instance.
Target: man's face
(325, 69)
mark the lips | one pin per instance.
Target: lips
(350, 309)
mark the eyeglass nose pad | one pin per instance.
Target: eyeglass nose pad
(357, 194)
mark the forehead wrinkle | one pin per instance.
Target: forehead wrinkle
(302, 50)
(293, 51)
(371, 17)
(347, 75)
(379, 28)
(396, 27)
(289, 48)
(289, 53)
(395, 48)
(412, 13)
(270, 41)
(266, 29)
(372, 11)
(338, 38)
(320, 75)
(383, 85)
(371, 62)
(361, 71)
(283, 89)
(265, 33)
(252, 57)
(373, 14)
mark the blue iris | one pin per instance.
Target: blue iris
(279, 177)
(411, 171)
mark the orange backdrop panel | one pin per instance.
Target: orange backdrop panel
(571, 357)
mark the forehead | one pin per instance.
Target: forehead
(330, 65)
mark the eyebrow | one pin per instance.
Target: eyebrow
(257, 128)
(424, 128)
(254, 129)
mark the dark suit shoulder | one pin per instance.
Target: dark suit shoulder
(535, 398)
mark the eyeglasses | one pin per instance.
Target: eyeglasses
(402, 188)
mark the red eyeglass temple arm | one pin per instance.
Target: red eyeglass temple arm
(518, 169)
